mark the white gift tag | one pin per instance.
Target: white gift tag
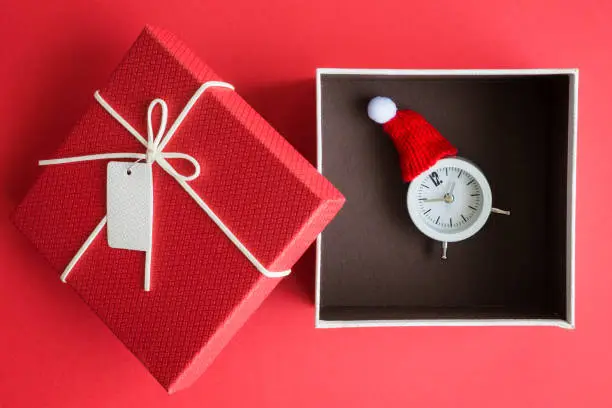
(129, 205)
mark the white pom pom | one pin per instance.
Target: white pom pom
(381, 109)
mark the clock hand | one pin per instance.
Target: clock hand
(431, 200)
(452, 188)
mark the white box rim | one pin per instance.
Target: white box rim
(569, 323)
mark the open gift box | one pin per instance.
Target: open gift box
(374, 268)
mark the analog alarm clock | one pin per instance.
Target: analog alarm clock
(449, 198)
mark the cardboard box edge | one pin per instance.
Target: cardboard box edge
(569, 321)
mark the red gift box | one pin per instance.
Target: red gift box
(203, 287)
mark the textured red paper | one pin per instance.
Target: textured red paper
(203, 288)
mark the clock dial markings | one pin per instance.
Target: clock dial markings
(447, 200)
(445, 193)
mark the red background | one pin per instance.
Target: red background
(55, 352)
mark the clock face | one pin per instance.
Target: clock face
(451, 201)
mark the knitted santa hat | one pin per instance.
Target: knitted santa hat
(418, 143)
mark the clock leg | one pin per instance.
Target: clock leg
(498, 211)
(444, 248)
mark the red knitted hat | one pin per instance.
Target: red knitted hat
(418, 143)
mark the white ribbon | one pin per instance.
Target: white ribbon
(155, 145)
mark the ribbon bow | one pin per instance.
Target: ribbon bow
(155, 145)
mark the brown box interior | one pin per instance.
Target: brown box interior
(375, 264)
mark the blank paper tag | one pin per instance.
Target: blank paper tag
(129, 205)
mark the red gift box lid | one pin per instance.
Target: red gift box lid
(203, 287)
